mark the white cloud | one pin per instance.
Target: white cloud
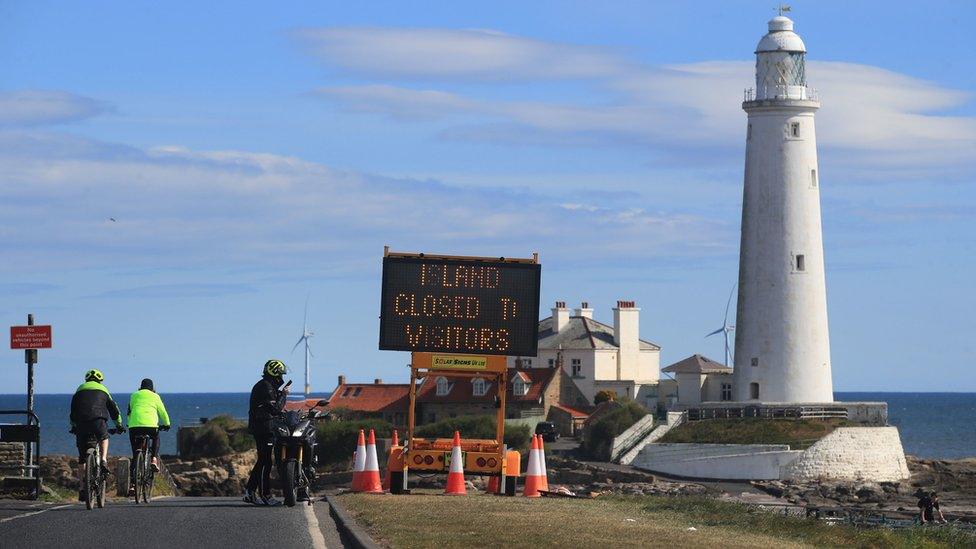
(40, 107)
(180, 207)
(875, 119)
(450, 53)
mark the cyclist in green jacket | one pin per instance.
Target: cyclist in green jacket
(147, 416)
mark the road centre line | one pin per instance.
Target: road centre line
(8, 519)
(314, 530)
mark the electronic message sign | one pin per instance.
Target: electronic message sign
(452, 305)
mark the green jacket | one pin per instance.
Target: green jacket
(146, 410)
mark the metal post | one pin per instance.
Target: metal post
(30, 356)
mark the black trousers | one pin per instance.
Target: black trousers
(134, 434)
(260, 478)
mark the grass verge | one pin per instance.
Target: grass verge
(649, 521)
(798, 433)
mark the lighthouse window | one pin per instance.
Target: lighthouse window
(795, 129)
(754, 361)
(749, 132)
(754, 391)
(726, 392)
(813, 178)
(800, 262)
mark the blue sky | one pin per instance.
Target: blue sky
(253, 156)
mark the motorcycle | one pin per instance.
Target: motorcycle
(294, 451)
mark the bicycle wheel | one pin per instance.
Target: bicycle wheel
(139, 472)
(102, 481)
(148, 477)
(91, 472)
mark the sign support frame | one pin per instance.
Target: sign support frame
(30, 357)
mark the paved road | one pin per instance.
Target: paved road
(167, 522)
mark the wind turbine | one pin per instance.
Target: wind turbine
(727, 328)
(308, 351)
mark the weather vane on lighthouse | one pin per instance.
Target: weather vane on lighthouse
(784, 8)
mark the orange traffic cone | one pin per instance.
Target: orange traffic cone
(494, 485)
(544, 479)
(455, 476)
(533, 472)
(394, 442)
(371, 472)
(359, 463)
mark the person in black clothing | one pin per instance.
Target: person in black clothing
(929, 509)
(91, 409)
(267, 401)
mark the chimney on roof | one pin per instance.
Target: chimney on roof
(584, 311)
(560, 316)
(377, 381)
(342, 380)
(626, 336)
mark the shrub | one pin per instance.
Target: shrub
(600, 435)
(220, 436)
(516, 436)
(604, 395)
(337, 439)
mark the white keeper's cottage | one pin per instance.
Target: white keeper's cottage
(599, 356)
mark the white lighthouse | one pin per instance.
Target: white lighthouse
(782, 346)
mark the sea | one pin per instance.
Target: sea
(932, 425)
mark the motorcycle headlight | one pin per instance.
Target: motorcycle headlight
(283, 431)
(297, 433)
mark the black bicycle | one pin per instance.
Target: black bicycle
(96, 476)
(145, 475)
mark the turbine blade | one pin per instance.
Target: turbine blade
(299, 342)
(720, 330)
(729, 302)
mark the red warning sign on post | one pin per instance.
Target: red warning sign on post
(30, 337)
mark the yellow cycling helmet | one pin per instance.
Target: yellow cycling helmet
(275, 368)
(94, 375)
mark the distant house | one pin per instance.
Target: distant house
(598, 356)
(530, 393)
(701, 379)
(388, 401)
(568, 420)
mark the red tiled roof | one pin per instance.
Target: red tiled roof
(460, 388)
(572, 411)
(371, 397)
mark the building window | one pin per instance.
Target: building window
(726, 392)
(357, 391)
(801, 264)
(479, 387)
(527, 362)
(442, 386)
(794, 129)
(552, 362)
(754, 391)
(577, 367)
(346, 392)
(519, 387)
(755, 361)
(813, 179)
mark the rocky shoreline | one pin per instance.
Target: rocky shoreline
(955, 480)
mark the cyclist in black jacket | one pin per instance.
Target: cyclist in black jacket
(91, 409)
(267, 401)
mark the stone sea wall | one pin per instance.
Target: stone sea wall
(853, 453)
